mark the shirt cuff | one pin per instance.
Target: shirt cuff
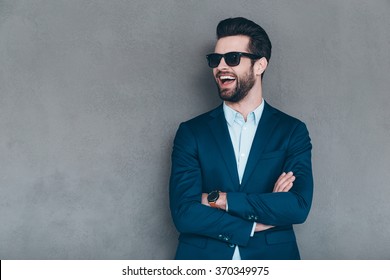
(253, 229)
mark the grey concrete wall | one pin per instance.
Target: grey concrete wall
(92, 92)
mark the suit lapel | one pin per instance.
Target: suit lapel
(221, 135)
(268, 122)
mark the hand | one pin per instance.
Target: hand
(261, 227)
(284, 182)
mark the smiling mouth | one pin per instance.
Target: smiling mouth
(226, 79)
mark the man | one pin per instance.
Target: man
(241, 173)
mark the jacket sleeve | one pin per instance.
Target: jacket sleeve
(185, 192)
(282, 208)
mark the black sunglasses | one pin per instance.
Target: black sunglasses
(231, 58)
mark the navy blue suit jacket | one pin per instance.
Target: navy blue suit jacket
(203, 160)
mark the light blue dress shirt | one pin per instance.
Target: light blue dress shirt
(242, 134)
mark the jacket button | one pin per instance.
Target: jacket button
(231, 245)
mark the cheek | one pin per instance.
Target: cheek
(214, 71)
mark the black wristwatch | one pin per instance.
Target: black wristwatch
(212, 198)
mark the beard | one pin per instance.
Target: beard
(243, 86)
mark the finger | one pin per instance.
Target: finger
(285, 177)
(287, 185)
(280, 178)
(284, 183)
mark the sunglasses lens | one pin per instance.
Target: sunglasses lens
(214, 59)
(232, 58)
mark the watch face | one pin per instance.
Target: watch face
(213, 196)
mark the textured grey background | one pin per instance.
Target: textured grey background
(92, 92)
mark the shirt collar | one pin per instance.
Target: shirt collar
(231, 115)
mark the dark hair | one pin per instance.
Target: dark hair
(259, 43)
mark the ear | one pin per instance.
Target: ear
(260, 66)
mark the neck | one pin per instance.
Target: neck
(249, 103)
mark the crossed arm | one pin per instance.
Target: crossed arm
(283, 184)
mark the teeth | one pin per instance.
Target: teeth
(227, 78)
